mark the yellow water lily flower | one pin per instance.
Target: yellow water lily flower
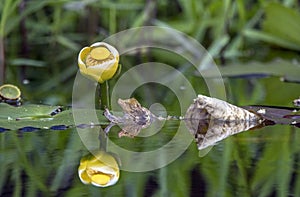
(99, 61)
(100, 169)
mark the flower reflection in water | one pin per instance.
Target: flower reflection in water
(100, 169)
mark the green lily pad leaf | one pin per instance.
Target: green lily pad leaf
(291, 79)
(276, 68)
(26, 112)
(42, 116)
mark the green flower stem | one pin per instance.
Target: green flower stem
(102, 140)
(104, 96)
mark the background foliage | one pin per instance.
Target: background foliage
(40, 40)
(39, 44)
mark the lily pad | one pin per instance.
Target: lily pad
(42, 117)
(277, 115)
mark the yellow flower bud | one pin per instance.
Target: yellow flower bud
(99, 61)
(101, 169)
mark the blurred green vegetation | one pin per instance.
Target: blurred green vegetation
(40, 40)
(39, 44)
(254, 163)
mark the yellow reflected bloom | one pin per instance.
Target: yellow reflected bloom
(101, 169)
(99, 61)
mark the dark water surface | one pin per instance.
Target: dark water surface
(163, 160)
(260, 162)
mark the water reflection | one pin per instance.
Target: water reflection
(208, 120)
(128, 129)
(99, 167)
(211, 120)
(209, 132)
(135, 118)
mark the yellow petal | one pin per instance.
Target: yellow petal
(101, 73)
(93, 76)
(84, 177)
(81, 58)
(107, 160)
(101, 169)
(83, 54)
(99, 61)
(101, 179)
(100, 53)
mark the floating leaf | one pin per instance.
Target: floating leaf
(42, 116)
(26, 111)
(277, 115)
